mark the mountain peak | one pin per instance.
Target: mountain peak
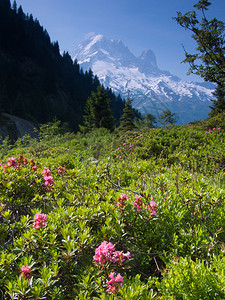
(152, 89)
(96, 47)
(148, 56)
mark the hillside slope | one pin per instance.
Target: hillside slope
(37, 83)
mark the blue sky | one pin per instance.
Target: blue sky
(140, 24)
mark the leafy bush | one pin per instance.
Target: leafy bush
(155, 197)
(187, 279)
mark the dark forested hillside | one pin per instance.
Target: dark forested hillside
(37, 83)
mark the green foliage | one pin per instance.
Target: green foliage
(188, 279)
(218, 104)
(209, 61)
(98, 113)
(149, 121)
(176, 249)
(126, 120)
(167, 117)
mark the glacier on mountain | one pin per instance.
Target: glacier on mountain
(152, 89)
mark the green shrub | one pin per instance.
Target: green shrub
(187, 279)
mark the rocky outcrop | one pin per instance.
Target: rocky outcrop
(15, 127)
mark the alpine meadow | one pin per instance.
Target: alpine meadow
(98, 201)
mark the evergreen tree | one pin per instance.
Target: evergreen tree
(167, 117)
(5, 5)
(218, 105)
(98, 112)
(149, 120)
(126, 120)
(14, 6)
(209, 61)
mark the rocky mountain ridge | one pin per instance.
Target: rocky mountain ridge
(152, 89)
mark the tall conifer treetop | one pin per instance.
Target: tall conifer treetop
(98, 112)
(126, 120)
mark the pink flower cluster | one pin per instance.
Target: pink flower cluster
(21, 161)
(61, 170)
(122, 201)
(114, 282)
(32, 163)
(126, 147)
(119, 256)
(40, 220)
(139, 204)
(25, 272)
(152, 208)
(11, 162)
(210, 131)
(106, 253)
(49, 181)
(46, 172)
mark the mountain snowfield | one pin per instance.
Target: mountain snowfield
(152, 90)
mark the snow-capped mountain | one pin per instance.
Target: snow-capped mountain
(152, 89)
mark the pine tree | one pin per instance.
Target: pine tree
(14, 6)
(126, 120)
(5, 5)
(98, 112)
(149, 120)
(167, 117)
(218, 104)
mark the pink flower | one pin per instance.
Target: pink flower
(12, 162)
(123, 196)
(32, 162)
(61, 170)
(165, 196)
(214, 128)
(120, 256)
(104, 253)
(49, 180)
(131, 145)
(122, 201)
(47, 177)
(114, 282)
(138, 202)
(46, 171)
(218, 128)
(25, 272)
(152, 207)
(210, 131)
(40, 220)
